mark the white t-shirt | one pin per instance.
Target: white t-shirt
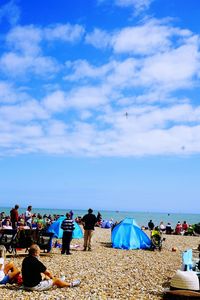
(2, 274)
(28, 216)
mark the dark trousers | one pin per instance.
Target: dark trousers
(66, 239)
(14, 224)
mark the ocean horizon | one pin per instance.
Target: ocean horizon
(141, 217)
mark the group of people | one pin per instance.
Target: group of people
(89, 221)
(32, 268)
(26, 219)
(31, 272)
(179, 229)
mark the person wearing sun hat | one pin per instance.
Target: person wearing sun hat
(185, 280)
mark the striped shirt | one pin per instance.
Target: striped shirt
(68, 225)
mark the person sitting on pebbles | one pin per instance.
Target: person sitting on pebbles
(32, 270)
(8, 271)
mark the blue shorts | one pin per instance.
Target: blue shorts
(5, 280)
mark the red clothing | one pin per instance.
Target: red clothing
(185, 226)
(14, 215)
(178, 229)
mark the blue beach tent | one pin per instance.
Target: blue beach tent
(128, 235)
(106, 224)
(55, 227)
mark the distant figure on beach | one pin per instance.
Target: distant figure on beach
(185, 226)
(71, 214)
(99, 218)
(89, 220)
(68, 227)
(151, 225)
(7, 224)
(14, 216)
(28, 216)
(178, 228)
(162, 227)
(168, 229)
(2, 216)
(8, 272)
(32, 268)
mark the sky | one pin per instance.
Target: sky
(99, 104)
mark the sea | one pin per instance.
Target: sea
(142, 218)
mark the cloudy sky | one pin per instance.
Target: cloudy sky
(99, 104)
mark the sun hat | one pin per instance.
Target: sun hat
(185, 280)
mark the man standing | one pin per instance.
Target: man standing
(14, 216)
(151, 225)
(28, 216)
(68, 227)
(89, 220)
(32, 268)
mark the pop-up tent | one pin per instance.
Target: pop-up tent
(106, 224)
(55, 227)
(128, 235)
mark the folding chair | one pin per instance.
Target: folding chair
(187, 263)
(24, 238)
(45, 240)
(8, 239)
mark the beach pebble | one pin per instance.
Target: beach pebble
(108, 273)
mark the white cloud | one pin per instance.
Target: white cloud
(88, 97)
(151, 37)
(28, 39)
(138, 5)
(57, 128)
(13, 64)
(55, 102)
(146, 39)
(11, 94)
(26, 44)
(112, 75)
(23, 112)
(82, 69)
(64, 32)
(81, 98)
(173, 69)
(11, 12)
(25, 39)
(85, 113)
(144, 132)
(98, 38)
(123, 74)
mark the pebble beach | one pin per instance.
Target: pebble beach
(108, 273)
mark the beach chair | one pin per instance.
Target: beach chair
(8, 239)
(24, 239)
(45, 241)
(187, 263)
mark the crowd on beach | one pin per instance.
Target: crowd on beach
(180, 229)
(34, 274)
(26, 220)
(29, 220)
(32, 267)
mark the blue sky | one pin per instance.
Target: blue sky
(99, 104)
